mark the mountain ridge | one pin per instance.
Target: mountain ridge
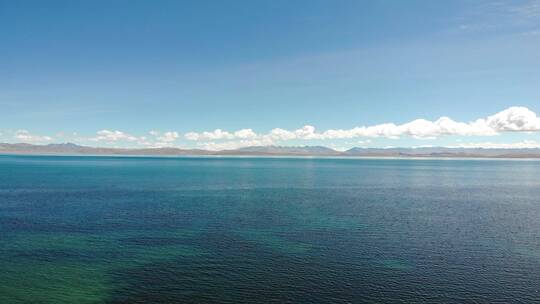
(448, 152)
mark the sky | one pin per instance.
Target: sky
(228, 74)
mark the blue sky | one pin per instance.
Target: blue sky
(124, 73)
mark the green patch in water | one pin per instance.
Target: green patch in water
(270, 240)
(46, 282)
(50, 268)
(527, 251)
(395, 264)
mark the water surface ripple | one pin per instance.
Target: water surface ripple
(268, 230)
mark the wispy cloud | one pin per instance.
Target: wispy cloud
(522, 16)
(528, 9)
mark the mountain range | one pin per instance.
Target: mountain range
(73, 149)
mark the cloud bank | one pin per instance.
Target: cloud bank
(513, 119)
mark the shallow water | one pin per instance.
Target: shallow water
(254, 230)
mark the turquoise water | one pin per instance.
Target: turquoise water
(268, 230)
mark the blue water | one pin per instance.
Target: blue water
(268, 230)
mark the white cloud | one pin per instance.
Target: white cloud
(216, 134)
(219, 134)
(281, 134)
(230, 145)
(168, 137)
(191, 136)
(307, 132)
(113, 136)
(514, 119)
(245, 134)
(25, 136)
(156, 140)
(154, 144)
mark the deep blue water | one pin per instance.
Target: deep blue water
(268, 230)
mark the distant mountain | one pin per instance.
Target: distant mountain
(444, 152)
(73, 149)
(64, 146)
(70, 148)
(283, 150)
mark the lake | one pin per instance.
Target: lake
(268, 230)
